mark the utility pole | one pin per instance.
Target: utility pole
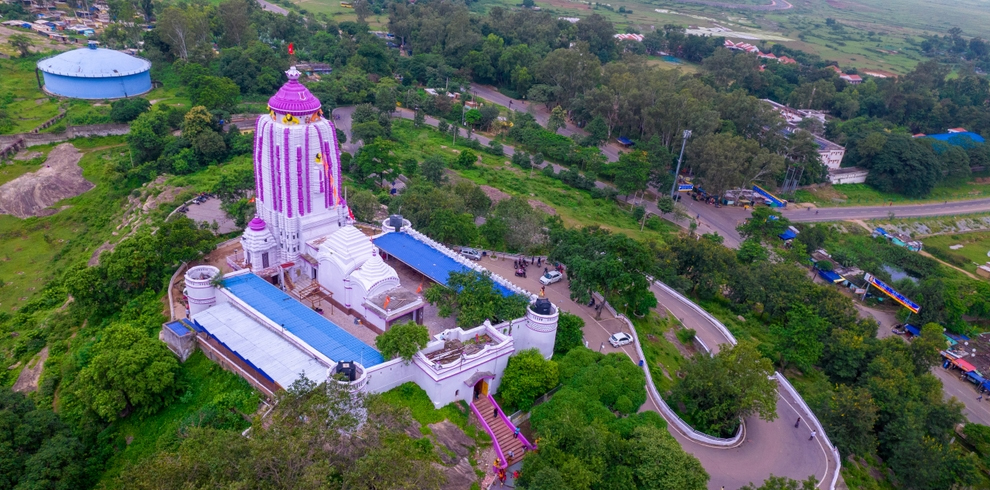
(673, 189)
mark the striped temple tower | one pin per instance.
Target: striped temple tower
(297, 171)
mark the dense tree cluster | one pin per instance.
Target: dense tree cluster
(591, 436)
(317, 436)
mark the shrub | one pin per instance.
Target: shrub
(686, 335)
(402, 341)
(527, 376)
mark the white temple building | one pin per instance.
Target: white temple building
(302, 248)
(302, 236)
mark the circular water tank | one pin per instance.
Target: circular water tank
(96, 73)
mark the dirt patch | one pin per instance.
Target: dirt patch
(546, 208)
(567, 4)
(671, 337)
(27, 155)
(60, 178)
(28, 380)
(494, 194)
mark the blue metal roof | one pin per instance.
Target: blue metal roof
(177, 328)
(320, 333)
(425, 259)
(94, 63)
(913, 329)
(831, 276)
(959, 139)
(787, 235)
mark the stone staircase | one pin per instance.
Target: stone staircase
(501, 432)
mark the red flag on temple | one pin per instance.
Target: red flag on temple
(292, 49)
(388, 299)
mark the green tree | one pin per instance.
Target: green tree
(662, 464)
(631, 172)
(522, 159)
(403, 341)
(570, 333)
(557, 120)
(718, 390)
(527, 376)
(926, 347)
(751, 250)
(471, 298)
(215, 93)
(385, 98)
(434, 169)
(127, 110)
(472, 117)
(799, 339)
(597, 132)
(600, 261)
(665, 204)
(850, 416)
(21, 43)
(765, 223)
(466, 159)
(419, 118)
(129, 371)
(364, 205)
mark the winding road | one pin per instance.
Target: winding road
(768, 448)
(776, 448)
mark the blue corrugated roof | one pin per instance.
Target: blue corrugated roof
(959, 139)
(320, 333)
(913, 329)
(177, 328)
(427, 260)
(830, 276)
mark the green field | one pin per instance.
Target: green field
(576, 207)
(864, 195)
(974, 252)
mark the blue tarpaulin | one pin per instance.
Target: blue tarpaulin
(425, 259)
(913, 329)
(976, 378)
(831, 276)
(787, 235)
(625, 141)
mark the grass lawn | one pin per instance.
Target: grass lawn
(864, 195)
(27, 106)
(205, 382)
(663, 357)
(412, 396)
(34, 250)
(576, 207)
(975, 250)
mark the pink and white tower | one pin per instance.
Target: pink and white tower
(297, 171)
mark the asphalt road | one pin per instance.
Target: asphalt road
(952, 386)
(776, 448)
(899, 211)
(272, 7)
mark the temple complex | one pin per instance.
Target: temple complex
(309, 291)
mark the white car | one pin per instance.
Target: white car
(620, 339)
(471, 253)
(550, 278)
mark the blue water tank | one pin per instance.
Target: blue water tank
(96, 73)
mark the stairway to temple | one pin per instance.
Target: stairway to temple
(501, 432)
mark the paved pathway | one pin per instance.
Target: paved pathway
(769, 447)
(272, 7)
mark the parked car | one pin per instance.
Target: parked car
(620, 339)
(471, 253)
(550, 278)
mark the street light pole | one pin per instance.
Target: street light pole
(673, 188)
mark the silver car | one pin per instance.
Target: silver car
(471, 253)
(620, 339)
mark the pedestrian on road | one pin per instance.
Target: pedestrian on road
(813, 434)
(515, 434)
(979, 398)
(494, 413)
(816, 211)
(585, 343)
(797, 423)
(602, 347)
(544, 271)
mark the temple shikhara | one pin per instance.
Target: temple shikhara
(309, 290)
